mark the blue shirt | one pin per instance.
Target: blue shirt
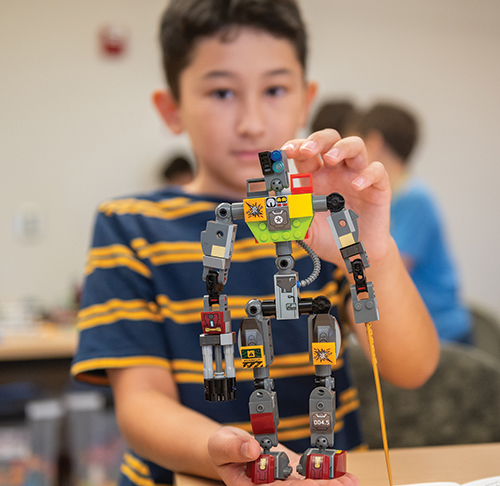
(418, 230)
(141, 305)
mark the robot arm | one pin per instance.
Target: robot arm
(344, 226)
(217, 340)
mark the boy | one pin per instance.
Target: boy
(236, 75)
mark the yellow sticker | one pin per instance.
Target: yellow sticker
(218, 251)
(324, 353)
(346, 240)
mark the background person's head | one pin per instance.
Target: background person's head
(177, 171)
(336, 114)
(390, 132)
(389, 127)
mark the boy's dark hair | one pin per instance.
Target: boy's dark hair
(336, 114)
(184, 22)
(397, 125)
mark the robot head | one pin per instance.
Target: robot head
(275, 170)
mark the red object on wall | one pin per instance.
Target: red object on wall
(113, 39)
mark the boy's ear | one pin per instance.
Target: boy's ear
(168, 108)
(310, 95)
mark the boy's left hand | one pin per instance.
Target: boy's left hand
(231, 448)
(341, 165)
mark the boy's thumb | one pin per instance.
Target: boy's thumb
(250, 450)
(225, 447)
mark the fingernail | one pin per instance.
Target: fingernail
(333, 153)
(287, 146)
(359, 182)
(309, 145)
(246, 450)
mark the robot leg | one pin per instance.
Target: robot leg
(217, 344)
(321, 461)
(257, 353)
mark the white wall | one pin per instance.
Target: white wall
(76, 128)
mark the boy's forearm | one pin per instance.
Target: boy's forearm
(160, 429)
(405, 337)
(171, 435)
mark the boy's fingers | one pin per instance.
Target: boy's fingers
(348, 479)
(307, 151)
(374, 175)
(350, 149)
(227, 446)
(326, 146)
(317, 142)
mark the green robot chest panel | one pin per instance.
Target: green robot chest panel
(279, 218)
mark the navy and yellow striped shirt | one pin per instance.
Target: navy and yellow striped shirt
(141, 305)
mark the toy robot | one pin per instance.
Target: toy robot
(281, 213)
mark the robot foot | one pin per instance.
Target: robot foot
(220, 389)
(322, 464)
(269, 467)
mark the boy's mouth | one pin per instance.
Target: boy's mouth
(251, 155)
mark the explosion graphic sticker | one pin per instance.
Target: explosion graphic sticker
(255, 210)
(324, 353)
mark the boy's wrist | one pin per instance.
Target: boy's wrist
(387, 255)
(385, 264)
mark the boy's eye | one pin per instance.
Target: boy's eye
(222, 94)
(276, 91)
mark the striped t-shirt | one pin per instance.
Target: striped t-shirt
(141, 305)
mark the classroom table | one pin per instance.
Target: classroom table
(42, 357)
(45, 343)
(456, 463)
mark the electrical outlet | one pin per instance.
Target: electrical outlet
(28, 222)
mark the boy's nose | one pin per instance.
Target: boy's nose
(251, 119)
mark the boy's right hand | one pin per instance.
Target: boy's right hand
(342, 165)
(231, 448)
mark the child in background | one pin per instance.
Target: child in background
(390, 133)
(336, 114)
(177, 171)
(237, 85)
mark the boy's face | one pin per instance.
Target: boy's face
(237, 98)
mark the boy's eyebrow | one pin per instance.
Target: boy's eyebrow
(229, 74)
(277, 72)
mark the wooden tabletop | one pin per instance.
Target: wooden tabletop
(45, 343)
(460, 464)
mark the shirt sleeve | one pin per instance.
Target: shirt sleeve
(119, 323)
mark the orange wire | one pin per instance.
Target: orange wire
(369, 333)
